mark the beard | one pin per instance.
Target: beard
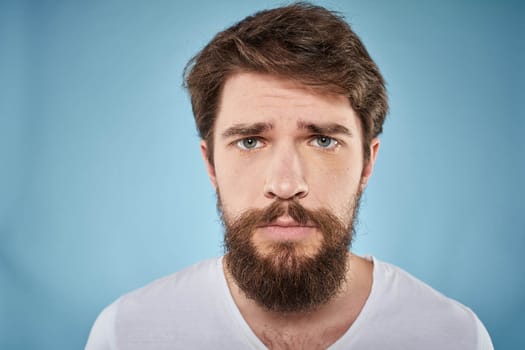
(283, 279)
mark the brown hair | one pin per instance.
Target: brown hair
(302, 42)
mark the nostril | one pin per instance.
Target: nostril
(286, 189)
(269, 194)
(301, 194)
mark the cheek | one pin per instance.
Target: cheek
(239, 185)
(334, 184)
(338, 171)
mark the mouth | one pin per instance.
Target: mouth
(287, 229)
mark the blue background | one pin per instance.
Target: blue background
(102, 188)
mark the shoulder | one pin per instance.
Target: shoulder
(170, 301)
(175, 293)
(198, 275)
(398, 286)
(410, 305)
(102, 334)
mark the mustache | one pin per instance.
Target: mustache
(280, 207)
(253, 218)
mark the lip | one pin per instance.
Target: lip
(286, 221)
(287, 229)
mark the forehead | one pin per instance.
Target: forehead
(249, 97)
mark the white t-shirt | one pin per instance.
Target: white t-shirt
(193, 309)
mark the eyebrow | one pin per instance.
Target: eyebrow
(258, 128)
(324, 129)
(246, 129)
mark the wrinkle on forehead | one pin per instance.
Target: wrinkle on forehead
(249, 98)
(286, 89)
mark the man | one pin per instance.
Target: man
(289, 106)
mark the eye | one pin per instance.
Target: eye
(249, 143)
(324, 142)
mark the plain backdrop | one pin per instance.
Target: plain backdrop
(102, 188)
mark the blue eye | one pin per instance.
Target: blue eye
(249, 143)
(324, 142)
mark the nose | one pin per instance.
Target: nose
(285, 177)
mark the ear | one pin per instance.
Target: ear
(369, 166)
(209, 167)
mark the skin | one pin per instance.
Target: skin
(277, 139)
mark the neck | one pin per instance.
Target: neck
(325, 324)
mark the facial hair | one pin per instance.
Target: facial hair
(284, 280)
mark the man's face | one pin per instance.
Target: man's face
(276, 141)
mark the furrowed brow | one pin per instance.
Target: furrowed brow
(246, 129)
(325, 129)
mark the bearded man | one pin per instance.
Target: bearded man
(289, 106)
